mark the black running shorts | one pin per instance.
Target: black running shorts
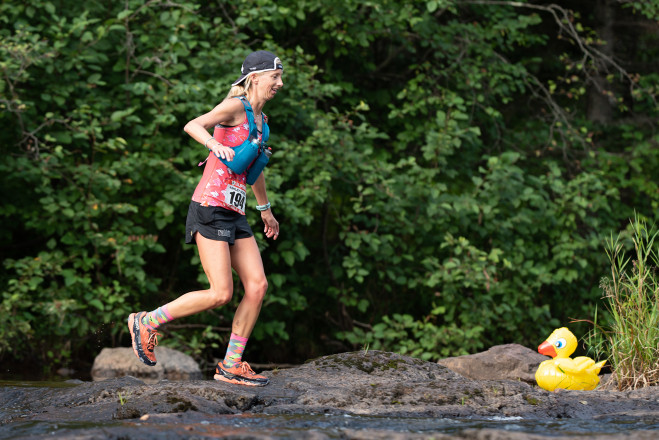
(215, 223)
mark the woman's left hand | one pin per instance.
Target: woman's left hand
(271, 229)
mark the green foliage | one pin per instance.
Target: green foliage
(418, 338)
(627, 335)
(438, 181)
(649, 8)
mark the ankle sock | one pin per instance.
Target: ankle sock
(156, 318)
(235, 350)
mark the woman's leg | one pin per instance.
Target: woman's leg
(246, 260)
(216, 261)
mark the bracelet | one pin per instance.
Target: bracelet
(263, 207)
(206, 143)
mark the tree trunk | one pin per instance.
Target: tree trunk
(600, 99)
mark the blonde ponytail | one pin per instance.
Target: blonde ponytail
(242, 88)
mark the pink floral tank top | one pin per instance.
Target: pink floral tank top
(219, 186)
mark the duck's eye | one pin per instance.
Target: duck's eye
(560, 343)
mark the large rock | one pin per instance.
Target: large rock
(360, 395)
(501, 362)
(119, 362)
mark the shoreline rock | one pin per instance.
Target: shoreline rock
(119, 362)
(501, 362)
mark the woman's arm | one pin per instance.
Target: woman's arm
(228, 112)
(271, 224)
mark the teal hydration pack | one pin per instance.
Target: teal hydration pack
(250, 155)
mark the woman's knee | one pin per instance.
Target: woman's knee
(219, 296)
(256, 289)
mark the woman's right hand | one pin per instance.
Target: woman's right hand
(221, 151)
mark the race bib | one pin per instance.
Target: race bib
(235, 197)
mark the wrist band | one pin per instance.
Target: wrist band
(206, 143)
(263, 207)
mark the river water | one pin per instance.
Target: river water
(311, 425)
(328, 426)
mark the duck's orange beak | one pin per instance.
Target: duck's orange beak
(547, 349)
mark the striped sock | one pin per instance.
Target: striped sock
(235, 350)
(156, 318)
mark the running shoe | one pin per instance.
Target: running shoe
(241, 373)
(144, 339)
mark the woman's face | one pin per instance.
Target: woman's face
(269, 83)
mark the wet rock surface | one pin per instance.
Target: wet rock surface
(360, 395)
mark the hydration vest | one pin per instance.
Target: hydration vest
(250, 155)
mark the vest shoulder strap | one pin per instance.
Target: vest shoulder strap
(253, 130)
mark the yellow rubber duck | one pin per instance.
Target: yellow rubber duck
(580, 373)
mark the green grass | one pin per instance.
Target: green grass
(629, 336)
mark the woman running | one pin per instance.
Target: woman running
(216, 219)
